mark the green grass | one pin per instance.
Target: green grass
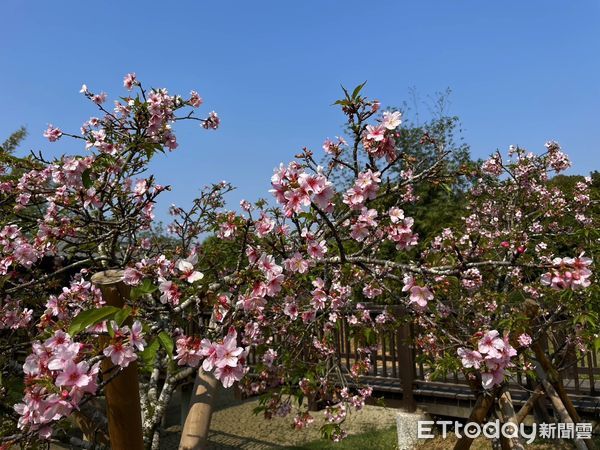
(372, 440)
(387, 439)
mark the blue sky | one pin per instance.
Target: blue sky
(521, 72)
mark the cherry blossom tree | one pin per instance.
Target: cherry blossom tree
(260, 303)
(482, 294)
(68, 218)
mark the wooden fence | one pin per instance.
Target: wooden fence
(399, 376)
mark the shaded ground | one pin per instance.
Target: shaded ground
(235, 426)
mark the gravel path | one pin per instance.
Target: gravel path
(235, 426)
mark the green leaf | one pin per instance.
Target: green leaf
(307, 216)
(167, 342)
(342, 102)
(259, 409)
(149, 354)
(122, 315)
(91, 317)
(357, 90)
(370, 336)
(447, 188)
(86, 178)
(145, 287)
(328, 429)
(346, 93)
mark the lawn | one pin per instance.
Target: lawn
(376, 440)
(387, 440)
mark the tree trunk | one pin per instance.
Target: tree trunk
(194, 435)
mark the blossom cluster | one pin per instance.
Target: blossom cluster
(379, 140)
(568, 273)
(13, 315)
(365, 188)
(224, 358)
(123, 343)
(492, 357)
(168, 274)
(57, 377)
(79, 295)
(294, 188)
(418, 295)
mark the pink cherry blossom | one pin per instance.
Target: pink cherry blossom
(52, 133)
(524, 340)
(129, 81)
(136, 336)
(120, 354)
(470, 358)
(375, 133)
(74, 375)
(195, 99)
(391, 120)
(228, 352)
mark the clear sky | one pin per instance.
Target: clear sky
(521, 72)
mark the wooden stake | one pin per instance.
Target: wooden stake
(123, 409)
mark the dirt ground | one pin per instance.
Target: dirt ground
(235, 426)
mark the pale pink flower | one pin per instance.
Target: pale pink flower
(264, 225)
(524, 340)
(269, 356)
(74, 375)
(99, 98)
(228, 352)
(208, 350)
(396, 215)
(490, 344)
(212, 122)
(420, 295)
(132, 276)
(119, 354)
(135, 336)
(130, 80)
(391, 120)
(188, 273)
(52, 133)
(229, 375)
(375, 133)
(492, 378)
(470, 358)
(63, 354)
(195, 99)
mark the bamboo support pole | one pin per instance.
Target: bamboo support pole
(92, 430)
(123, 408)
(508, 413)
(529, 404)
(194, 435)
(554, 377)
(483, 404)
(557, 404)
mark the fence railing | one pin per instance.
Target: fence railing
(397, 369)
